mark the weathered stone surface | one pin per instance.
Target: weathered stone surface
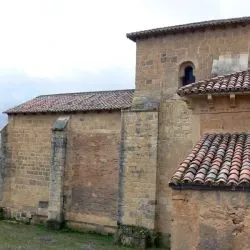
(91, 181)
(28, 145)
(222, 117)
(136, 236)
(57, 170)
(211, 220)
(91, 166)
(230, 63)
(3, 159)
(176, 133)
(156, 134)
(138, 168)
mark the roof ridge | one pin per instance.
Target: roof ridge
(87, 92)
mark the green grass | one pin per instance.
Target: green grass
(31, 237)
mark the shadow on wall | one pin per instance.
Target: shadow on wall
(3, 153)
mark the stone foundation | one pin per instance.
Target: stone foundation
(138, 237)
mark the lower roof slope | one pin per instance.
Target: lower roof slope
(235, 82)
(71, 102)
(216, 160)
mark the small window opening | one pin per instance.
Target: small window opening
(188, 76)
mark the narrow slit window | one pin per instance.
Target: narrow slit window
(188, 76)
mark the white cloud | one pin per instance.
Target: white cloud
(48, 38)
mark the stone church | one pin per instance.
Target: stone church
(171, 157)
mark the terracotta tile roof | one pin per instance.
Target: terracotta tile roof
(188, 27)
(70, 102)
(216, 160)
(236, 82)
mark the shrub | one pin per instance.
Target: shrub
(54, 224)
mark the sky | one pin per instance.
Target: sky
(56, 46)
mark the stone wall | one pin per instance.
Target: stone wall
(158, 60)
(91, 181)
(213, 219)
(220, 116)
(139, 166)
(57, 171)
(3, 159)
(207, 220)
(29, 159)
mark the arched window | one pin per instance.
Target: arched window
(187, 73)
(188, 76)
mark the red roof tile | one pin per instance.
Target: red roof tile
(70, 102)
(187, 27)
(236, 82)
(216, 160)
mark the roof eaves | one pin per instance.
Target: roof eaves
(187, 27)
(226, 93)
(209, 187)
(63, 111)
(226, 84)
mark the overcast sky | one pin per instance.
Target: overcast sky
(52, 46)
